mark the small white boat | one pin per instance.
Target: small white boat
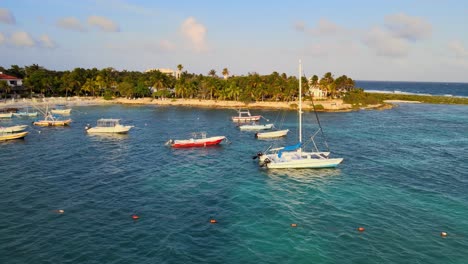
(10, 136)
(26, 113)
(13, 129)
(255, 127)
(61, 110)
(245, 116)
(6, 115)
(108, 125)
(272, 134)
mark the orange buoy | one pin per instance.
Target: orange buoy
(361, 229)
(135, 217)
(213, 221)
(443, 234)
(293, 225)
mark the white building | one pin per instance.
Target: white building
(11, 80)
(166, 71)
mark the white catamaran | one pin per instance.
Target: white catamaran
(294, 157)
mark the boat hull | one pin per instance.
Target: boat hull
(24, 114)
(13, 129)
(12, 136)
(6, 115)
(194, 143)
(310, 163)
(272, 134)
(61, 111)
(255, 127)
(46, 123)
(109, 130)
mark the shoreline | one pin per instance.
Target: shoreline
(331, 105)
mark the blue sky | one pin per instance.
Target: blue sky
(419, 40)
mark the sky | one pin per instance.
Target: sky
(391, 40)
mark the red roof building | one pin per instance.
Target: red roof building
(11, 80)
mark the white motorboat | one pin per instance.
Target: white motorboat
(108, 125)
(245, 117)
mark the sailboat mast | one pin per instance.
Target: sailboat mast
(300, 102)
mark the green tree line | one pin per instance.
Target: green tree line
(109, 82)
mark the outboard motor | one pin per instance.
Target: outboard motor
(259, 154)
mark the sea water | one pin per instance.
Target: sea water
(404, 179)
(422, 88)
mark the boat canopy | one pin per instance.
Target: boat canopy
(108, 122)
(289, 148)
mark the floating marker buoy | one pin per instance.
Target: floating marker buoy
(361, 229)
(213, 221)
(293, 225)
(135, 217)
(443, 234)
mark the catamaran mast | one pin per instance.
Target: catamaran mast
(300, 103)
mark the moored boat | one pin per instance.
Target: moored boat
(294, 156)
(50, 120)
(109, 125)
(6, 115)
(256, 127)
(13, 129)
(198, 140)
(61, 110)
(272, 134)
(26, 113)
(245, 116)
(10, 136)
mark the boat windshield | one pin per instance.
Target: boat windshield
(107, 122)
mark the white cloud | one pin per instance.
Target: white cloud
(22, 39)
(386, 44)
(46, 42)
(2, 38)
(7, 17)
(326, 27)
(166, 45)
(125, 6)
(408, 27)
(195, 32)
(458, 48)
(70, 23)
(103, 24)
(300, 26)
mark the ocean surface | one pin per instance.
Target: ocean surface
(404, 179)
(425, 88)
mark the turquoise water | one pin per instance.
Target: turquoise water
(404, 178)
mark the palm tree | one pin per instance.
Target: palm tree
(179, 68)
(225, 73)
(212, 73)
(5, 87)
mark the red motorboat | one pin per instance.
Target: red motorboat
(201, 141)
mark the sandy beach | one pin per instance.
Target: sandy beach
(332, 105)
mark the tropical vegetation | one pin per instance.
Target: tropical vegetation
(109, 82)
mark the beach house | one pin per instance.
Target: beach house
(317, 93)
(11, 80)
